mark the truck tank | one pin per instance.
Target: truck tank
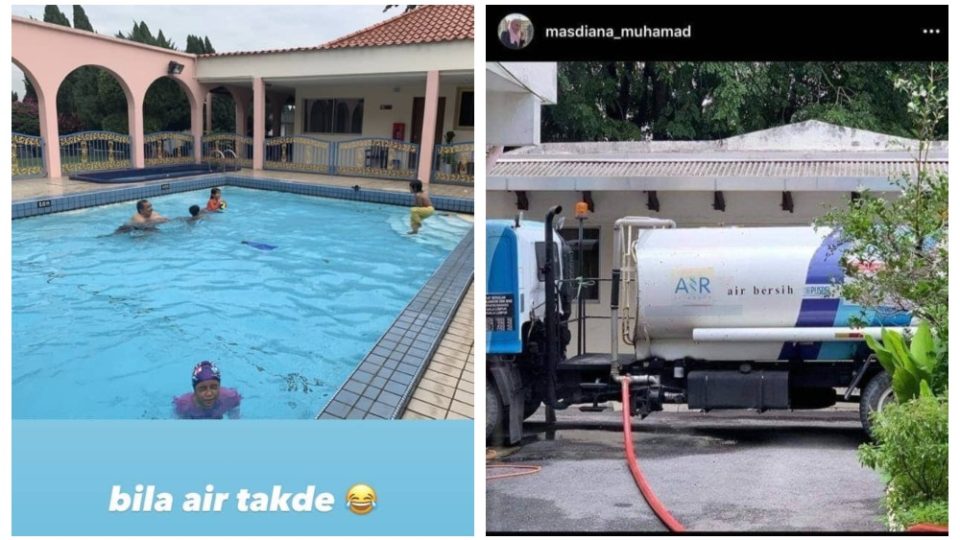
(760, 294)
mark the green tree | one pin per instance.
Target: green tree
(29, 93)
(52, 14)
(80, 20)
(192, 45)
(15, 97)
(600, 101)
(26, 118)
(903, 241)
(224, 113)
(198, 45)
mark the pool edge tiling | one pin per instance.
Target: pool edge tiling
(38, 206)
(385, 380)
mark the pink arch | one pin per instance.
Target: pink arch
(48, 53)
(186, 89)
(31, 77)
(127, 92)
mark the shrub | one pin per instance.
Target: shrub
(26, 118)
(926, 512)
(911, 367)
(911, 449)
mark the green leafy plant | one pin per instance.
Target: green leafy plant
(911, 368)
(934, 512)
(912, 450)
(450, 158)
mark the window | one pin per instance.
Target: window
(340, 115)
(541, 260)
(464, 108)
(591, 259)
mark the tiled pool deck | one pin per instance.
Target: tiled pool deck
(386, 379)
(446, 389)
(422, 367)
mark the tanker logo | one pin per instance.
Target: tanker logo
(693, 284)
(699, 285)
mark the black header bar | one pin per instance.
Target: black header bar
(723, 33)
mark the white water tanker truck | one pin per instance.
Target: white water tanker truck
(717, 318)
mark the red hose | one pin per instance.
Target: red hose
(658, 508)
(927, 528)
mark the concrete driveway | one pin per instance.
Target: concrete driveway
(730, 471)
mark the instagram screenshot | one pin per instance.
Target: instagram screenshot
(716, 269)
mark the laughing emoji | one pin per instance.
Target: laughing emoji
(361, 499)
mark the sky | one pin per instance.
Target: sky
(230, 28)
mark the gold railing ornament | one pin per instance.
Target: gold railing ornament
(27, 155)
(94, 151)
(227, 141)
(297, 153)
(181, 151)
(453, 163)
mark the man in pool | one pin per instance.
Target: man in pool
(145, 218)
(208, 400)
(422, 207)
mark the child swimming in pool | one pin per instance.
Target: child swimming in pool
(195, 215)
(208, 399)
(422, 207)
(216, 202)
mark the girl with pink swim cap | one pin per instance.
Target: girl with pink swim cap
(208, 399)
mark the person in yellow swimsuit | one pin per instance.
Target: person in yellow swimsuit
(422, 207)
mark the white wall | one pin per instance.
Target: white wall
(376, 122)
(688, 209)
(513, 119)
(538, 78)
(515, 93)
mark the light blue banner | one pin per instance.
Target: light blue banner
(64, 473)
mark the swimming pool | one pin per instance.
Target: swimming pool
(109, 326)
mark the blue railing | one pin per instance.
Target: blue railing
(27, 156)
(94, 151)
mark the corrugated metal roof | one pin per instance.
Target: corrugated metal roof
(719, 168)
(425, 24)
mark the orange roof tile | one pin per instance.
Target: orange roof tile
(425, 24)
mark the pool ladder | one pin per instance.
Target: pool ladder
(223, 158)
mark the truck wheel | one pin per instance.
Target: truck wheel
(875, 396)
(494, 412)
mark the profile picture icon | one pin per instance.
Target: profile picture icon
(516, 31)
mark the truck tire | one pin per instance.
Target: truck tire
(875, 395)
(494, 412)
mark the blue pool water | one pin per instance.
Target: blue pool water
(110, 326)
